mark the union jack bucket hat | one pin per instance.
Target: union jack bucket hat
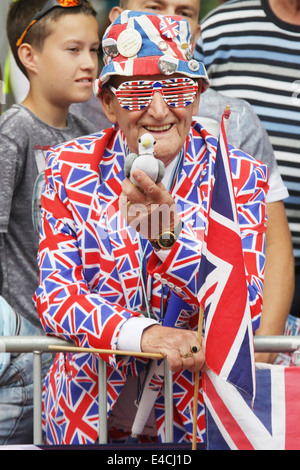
(149, 44)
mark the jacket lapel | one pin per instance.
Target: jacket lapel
(191, 189)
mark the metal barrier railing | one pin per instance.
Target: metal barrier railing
(40, 344)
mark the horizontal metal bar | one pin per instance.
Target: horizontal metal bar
(276, 343)
(41, 343)
(30, 343)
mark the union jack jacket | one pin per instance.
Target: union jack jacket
(90, 266)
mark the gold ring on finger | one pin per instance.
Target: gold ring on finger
(185, 356)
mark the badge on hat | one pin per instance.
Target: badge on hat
(169, 28)
(193, 65)
(162, 46)
(129, 42)
(167, 64)
(110, 47)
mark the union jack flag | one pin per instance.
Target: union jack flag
(246, 408)
(222, 283)
(271, 423)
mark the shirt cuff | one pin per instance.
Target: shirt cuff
(131, 333)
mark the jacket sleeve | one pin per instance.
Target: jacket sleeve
(65, 302)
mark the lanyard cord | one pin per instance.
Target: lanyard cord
(142, 276)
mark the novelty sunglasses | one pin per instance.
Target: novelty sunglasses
(48, 6)
(137, 95)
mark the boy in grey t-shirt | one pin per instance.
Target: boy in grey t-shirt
(57, 49)
(24, 139)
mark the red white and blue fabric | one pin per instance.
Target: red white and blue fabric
(169, 27)
(222, 283)
(271, 423)
(89, 264)
(146, 59)
(247, 408)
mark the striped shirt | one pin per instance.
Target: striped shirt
(251, 54)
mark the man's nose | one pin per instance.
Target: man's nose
(158, 108)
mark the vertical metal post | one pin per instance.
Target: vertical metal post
(168, 404)
(37, 397)
(102, 397)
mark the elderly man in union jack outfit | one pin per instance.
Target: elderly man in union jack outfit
(113, 253)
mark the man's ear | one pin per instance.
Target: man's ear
(27, 56)
(114, 13)
(106, 98)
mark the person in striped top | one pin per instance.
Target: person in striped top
(251, 49)
(244, 131)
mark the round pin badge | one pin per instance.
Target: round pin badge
(169, 28)
(162, 46)
(167, 64)
(129, 43)
(193, 65)
(110, 47)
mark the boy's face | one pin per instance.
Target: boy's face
(67, 65)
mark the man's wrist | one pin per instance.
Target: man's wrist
(131, 333)
(167, 239)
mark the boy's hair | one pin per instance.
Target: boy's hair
(19, 16)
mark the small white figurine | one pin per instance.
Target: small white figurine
(145, 161)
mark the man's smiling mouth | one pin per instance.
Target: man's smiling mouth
(166, 127)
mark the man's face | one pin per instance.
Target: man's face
(168, 125)
(189, 9)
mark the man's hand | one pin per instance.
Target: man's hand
(176, 346)
(150, 210)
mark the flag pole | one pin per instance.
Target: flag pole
(78, 349)
(196, 386)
